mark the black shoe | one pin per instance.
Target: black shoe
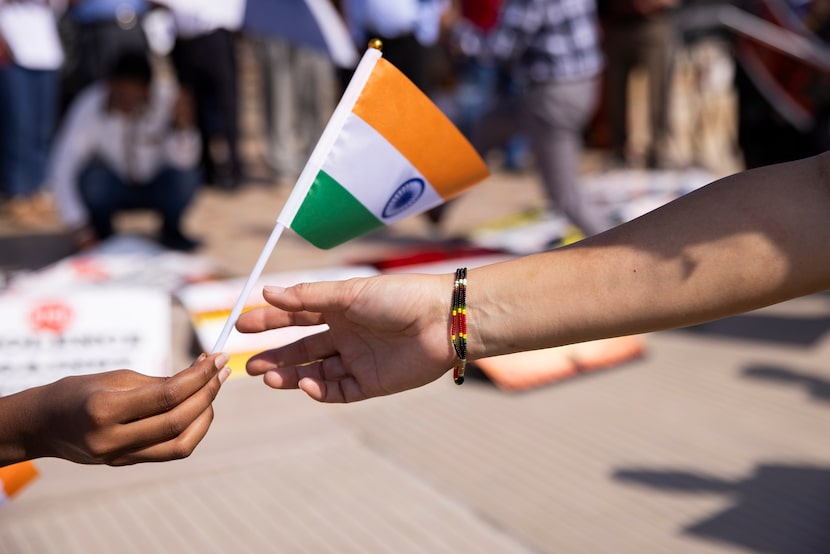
(177, 241)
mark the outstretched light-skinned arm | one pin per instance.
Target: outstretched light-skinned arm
(746, 241)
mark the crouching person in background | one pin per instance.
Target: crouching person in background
(127, 143)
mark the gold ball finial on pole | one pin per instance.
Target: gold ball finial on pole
(376, 43)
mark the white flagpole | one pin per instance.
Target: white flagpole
(315, 160)
(259, 266)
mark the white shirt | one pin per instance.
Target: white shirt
(31, 32)
(395, 18)
(91, 131)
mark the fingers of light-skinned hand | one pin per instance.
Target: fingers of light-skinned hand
(323, 296)
(289, 377)
(306, 301)
(303, 351)
(176, 448)
(332, 392)
(163, 395)
(263, 319)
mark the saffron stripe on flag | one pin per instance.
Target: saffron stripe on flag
(398, 110)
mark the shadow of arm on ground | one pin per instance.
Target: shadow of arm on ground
(817, 387)
(792, 331)
(779, 508)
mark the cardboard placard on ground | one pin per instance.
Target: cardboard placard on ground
(120, 261)
(44, 337)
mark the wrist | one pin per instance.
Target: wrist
(21, 426)
(477, 318)
(493, 300)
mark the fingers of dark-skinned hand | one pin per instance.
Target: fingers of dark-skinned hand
(111, 409)
(168, 425)
(176, 448)
(163, 395)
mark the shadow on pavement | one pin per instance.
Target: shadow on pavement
(792, 331)
(779, 509)
(816, 387)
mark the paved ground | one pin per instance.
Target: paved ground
(715, 442)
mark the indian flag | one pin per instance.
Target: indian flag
(387, 153)
(15, 477)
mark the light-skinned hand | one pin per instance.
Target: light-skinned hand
(386, 334)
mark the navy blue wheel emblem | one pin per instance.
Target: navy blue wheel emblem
(404, 197)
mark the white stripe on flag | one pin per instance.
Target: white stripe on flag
(330, 134)
(373, 181)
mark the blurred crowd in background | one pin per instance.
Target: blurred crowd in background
(113, 105)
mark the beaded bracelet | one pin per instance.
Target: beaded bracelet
(458, 323)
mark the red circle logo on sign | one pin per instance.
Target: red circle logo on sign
(51, 317)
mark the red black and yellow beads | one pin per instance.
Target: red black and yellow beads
(458, 323)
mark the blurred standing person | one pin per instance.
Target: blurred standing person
(639, 33)
(478, 79)
(95, 34)
(204, 57)
(128, 142)
(30, 56)
(553, 48)
(299, 88)
(485, 83)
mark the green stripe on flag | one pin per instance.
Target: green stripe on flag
(330, 215)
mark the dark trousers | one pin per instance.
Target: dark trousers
(104, 193)
(28, 113)
(554, 116)
(207, 66)
(651, 44)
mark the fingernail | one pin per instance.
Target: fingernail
(272, 289)
(221, 360)
(224, 374)
(201, 357)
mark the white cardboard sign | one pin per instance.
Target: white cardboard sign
(46, 337)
